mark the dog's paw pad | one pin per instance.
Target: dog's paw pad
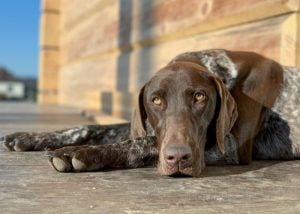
(17, 146)
(60, 165)
(18, 142)
(6, 145)
(78, 165)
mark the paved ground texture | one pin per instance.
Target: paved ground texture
(29, 185)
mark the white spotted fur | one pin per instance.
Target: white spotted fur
(287, 104)
(216, 61)
(76, 133)
(209, 58)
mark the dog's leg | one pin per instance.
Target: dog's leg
(132, 153)
(279, 137)
(246, 126)
(127, 154)
(274, 140)
(90, 134)
(213, 156)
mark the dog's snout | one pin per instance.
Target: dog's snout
(176, 155)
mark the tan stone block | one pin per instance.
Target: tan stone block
(93, 100)
(160, 21)
(93, 36)
(118, 104)
(150, 22)
(49, 60)
(47, 98)
(263, 37)
(49, 82)
(76, 79)
(138, 66)
(53, 5)
(290, 41)
(48, 70)
(122, 104)
(150, 33)
(50, 30)
(108, 120)
(294, 5)
(75, 11)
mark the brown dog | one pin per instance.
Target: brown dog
(238, 101)
(182, 101)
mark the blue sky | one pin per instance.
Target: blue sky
(19, 33)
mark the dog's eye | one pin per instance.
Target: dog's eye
(199, 97)
(156, 101)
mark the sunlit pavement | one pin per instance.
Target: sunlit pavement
(29, 185)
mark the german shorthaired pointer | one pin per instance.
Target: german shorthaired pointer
(207, 107)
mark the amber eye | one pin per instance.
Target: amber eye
(199, 97)
(156, 101)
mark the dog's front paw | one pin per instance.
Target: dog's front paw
(76, 159)
(19, 142)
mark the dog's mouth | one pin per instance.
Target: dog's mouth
(180, 175)
(178, 171)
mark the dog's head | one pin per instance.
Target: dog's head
(188, 108)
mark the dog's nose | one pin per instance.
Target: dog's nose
(178, 154)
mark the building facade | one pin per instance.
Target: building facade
(12, 90)
(96, 54)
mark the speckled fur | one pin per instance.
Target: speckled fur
(273, 141)
(287, 105)
(213, 155)
(90, 134)
(216, 61)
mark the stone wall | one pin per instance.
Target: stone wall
(96, 54)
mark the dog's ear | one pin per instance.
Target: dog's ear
(227, 113)
(138, 119)
(263, 84)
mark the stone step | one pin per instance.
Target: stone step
(115, 104)
(101, 118)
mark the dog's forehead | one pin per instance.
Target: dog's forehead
(182, 74)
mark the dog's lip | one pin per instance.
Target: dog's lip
(177, 172)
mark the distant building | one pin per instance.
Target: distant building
(10, 87)
(30, 89)
(12, 90)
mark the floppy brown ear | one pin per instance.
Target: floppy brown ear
(138, 119)
(263, 84)
(227, 113)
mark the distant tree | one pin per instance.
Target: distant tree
(6, 75)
